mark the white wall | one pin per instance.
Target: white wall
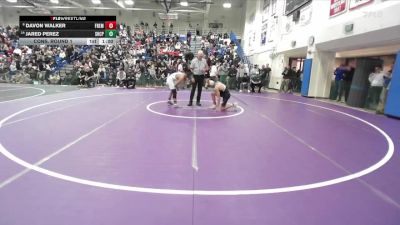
(321, 74)
(375, 16)
(264, 54)
(233, 18)
(254, 7)
(9, 17)
(375, 24)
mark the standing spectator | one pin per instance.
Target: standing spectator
(189, 38)
(377, 81)
(347, 79)
(180, 66)
(339, 75)
(265, 75)
(292, 77)
(199, 67)
(297, 81)
(246, 70)
(131, 77)
(47, 73)
(82, 76)
(89, 79)
(382, 100)
(152, 73)
(240, 76)
(255, 79)
(286, 80)
(197, 30)
(214, 71)
(232, 77)
(95, 69)
(223, 71)
(69, 52)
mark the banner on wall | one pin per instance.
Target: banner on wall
(264, 32)
(337, 7)
(215, 25)
(357, 3)
(293, 5)
(263, 38)
(273, 7)
(254, 38)
(287, 26)
(252, 18)
(305, 16)
(272, 27)
(251, 32)
(265, 10)
(251, 40)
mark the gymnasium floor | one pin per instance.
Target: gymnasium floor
(116, 156)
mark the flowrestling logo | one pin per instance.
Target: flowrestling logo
(358, 3)
(68, 18)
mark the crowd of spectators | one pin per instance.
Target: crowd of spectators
(291, 80)
(141, 56)
(27, 64)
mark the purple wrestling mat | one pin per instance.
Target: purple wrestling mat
(116, 156)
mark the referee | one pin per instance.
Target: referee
(199, 67)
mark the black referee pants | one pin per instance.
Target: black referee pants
(198, 82)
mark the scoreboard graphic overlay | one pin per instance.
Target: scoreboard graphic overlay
(68, 30)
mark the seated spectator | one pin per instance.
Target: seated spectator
(139, 45)
(13, 71)
(103, 76)
(121, 77)
(90, 79)
(81, 75)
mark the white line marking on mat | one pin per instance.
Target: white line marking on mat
(14, 89)
(42, 92)
(194, 147)
(379, 193)
(192, 117)
(67, 146)
(41, 114)
(325, 183)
